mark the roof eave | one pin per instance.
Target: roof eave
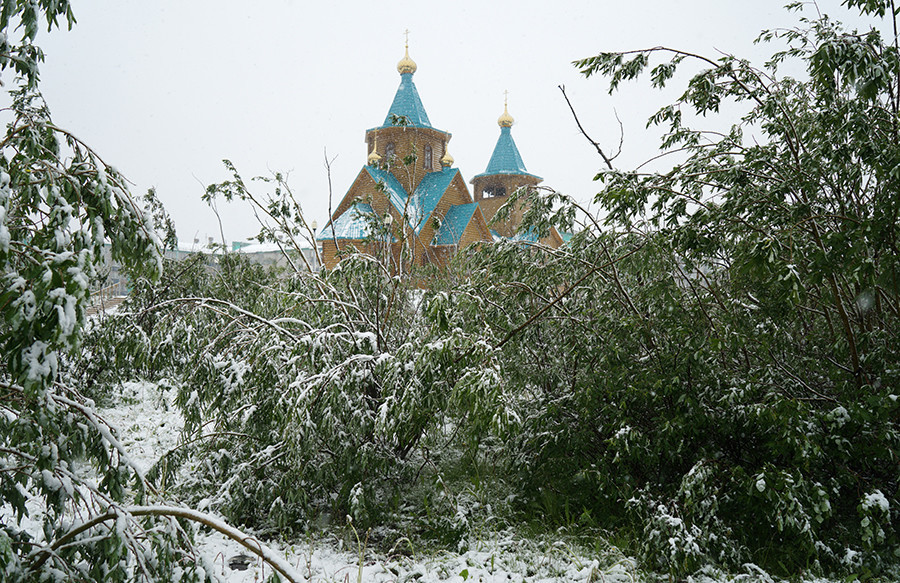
(507, 173)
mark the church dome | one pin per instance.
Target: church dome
(505, 120)
(446, 159)
(406, 65)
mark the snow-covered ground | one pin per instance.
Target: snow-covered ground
(500, 560)
(149, 425)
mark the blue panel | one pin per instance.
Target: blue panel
(454, 223)
(427, 196)
(392, 187)
(417, 209)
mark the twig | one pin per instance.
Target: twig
(596, 145)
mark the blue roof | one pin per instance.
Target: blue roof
(417, 208)
(529, 235)
(427, 195)
(454, 223)
(506, 158)
(408, 104)
(392, 187)
(354, 223)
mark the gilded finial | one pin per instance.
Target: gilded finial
(406, 65)
(374, 158)
(505, 120)
(446, 159)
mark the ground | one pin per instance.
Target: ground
(148, 426)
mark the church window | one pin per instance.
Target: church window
(494, 190)
(389, 151)
(428, 157)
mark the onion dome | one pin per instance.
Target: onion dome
(374, 158)
(505, 120)
(446, 159)
(406, 65)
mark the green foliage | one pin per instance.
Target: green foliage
(717, 378)
(60, 206)
(308, 397)
(708, 370)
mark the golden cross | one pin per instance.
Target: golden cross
(505, 97)
(406, 32)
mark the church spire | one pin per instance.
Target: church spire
(407, 108)
(506, 158)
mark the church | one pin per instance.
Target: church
(410, 206)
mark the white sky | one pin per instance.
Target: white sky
(165, 89)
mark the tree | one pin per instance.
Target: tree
(60, 205)
(717, 376)
(308, 396)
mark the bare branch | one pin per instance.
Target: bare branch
(596, 145)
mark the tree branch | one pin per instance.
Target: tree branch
(596, 145)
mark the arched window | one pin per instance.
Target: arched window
(428, 157)
(389, 151)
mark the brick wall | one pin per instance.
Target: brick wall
(490, 204)
(409, 140)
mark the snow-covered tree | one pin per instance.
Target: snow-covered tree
(719, 374)
(72, 504)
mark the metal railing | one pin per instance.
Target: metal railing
(106, 294)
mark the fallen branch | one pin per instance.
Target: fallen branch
(276, 561)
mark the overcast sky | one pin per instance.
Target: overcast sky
(165, 89)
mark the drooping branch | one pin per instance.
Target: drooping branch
(250, 543)
(512, 333)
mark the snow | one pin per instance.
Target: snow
(51, 481)
(147, 421)
(4, 232)
(623, 432)
(65, 309)
(27, 303)
(79, 277)
(149, 426)
(40, 363)
(840, 415)
(497, 560)
(876, 500)
(366, 337)
(260, 248)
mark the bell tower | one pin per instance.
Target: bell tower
(505, 173)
